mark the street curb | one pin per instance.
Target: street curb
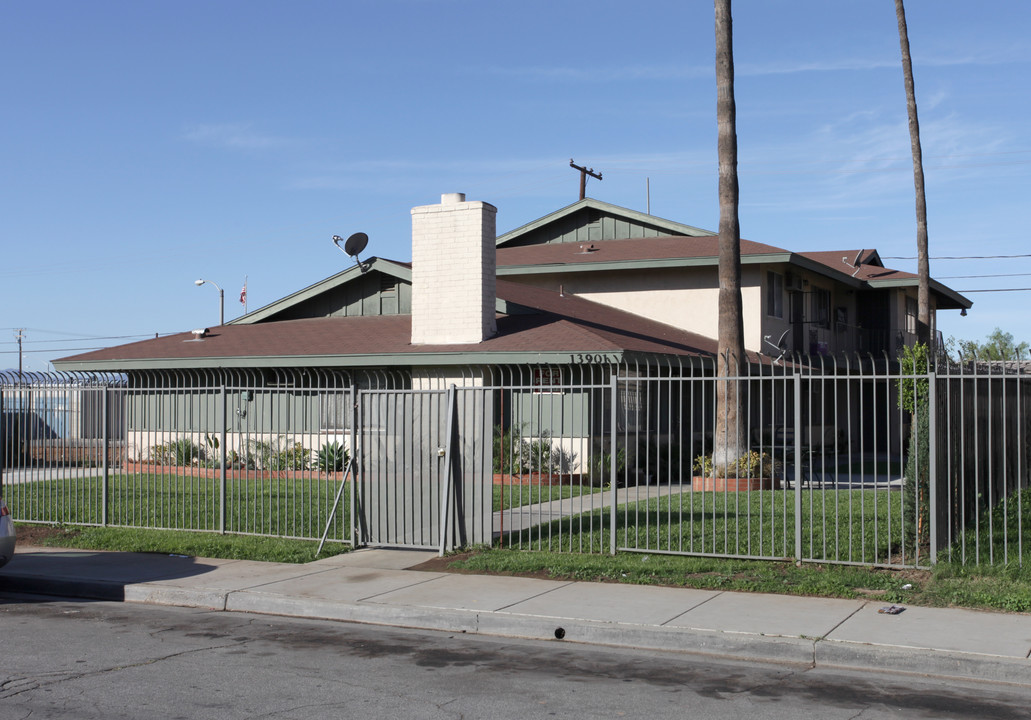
(769, 649)
(923, 661)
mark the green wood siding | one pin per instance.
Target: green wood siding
(590, 225)
(372, 294)
(247, 411)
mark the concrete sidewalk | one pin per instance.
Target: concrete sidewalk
(375, 586)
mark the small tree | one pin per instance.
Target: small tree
(914, 399)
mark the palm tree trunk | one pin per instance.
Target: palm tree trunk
(923, 267)
(728, 444)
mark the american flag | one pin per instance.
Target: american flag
(243, 294)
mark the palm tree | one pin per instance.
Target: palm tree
(923, 326)
(728, 443)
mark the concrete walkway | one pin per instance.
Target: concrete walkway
(376, 586)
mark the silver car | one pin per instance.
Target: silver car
(7, 536)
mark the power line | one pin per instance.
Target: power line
(53, 350)
(964, 277)
(996, 290)
(959, 257)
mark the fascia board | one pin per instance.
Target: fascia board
(371, 360)
(960, 302)
(653, 264)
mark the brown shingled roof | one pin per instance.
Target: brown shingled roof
(561, 323)
(657, 248)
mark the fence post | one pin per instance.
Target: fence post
(222, 459)
(932, 463)
(3, 443)
(105, 439)
(612, 461)
(798, 466)
(353, 517)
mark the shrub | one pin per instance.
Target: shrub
(177, 452)
(272, 455)
(333, 457)
(752, 464)
(536, 455)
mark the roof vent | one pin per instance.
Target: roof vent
(199, 333)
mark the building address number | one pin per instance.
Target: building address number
(593, 358)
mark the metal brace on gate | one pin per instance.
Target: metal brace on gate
(447, 497)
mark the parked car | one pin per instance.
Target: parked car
(7, 536)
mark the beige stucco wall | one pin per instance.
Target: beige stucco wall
(686, 298)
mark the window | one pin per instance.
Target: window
(821, 307)
(335, 411)
(774, 294)
(911, 314)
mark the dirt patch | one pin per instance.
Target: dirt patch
(447, 564)
(441, 564)
(39, 534)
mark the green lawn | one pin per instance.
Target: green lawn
(852, 526)
(998, 536)
(509, 496)
(860, 526)
(297, 508)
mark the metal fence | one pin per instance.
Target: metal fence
(842, 460)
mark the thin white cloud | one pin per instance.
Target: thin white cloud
(237, 136)
(600, 74)
(565, 73)
(988, 56)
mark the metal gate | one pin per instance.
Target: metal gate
(424, 468)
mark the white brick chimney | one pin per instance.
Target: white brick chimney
(453, 271)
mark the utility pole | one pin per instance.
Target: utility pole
(584, 172)
(19, 335)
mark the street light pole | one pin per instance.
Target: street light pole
(221, 300)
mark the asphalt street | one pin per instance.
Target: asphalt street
(91, 659)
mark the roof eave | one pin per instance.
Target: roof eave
(955, 300)
(411, 359)
(643, 264)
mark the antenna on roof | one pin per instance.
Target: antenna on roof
(352, 246)
(584, 172)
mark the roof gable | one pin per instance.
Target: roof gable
(348, 293)
(592, 220)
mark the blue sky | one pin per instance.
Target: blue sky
(146, 144)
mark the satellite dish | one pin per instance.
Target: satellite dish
(780, 345)
(353, 245)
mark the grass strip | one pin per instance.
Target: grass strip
(177, 542)
(946, 585)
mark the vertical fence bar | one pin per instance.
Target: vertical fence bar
(932, 463)
(355, 459)
(222, 458)
(613, 394)
(798, 465)
(105, 475)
